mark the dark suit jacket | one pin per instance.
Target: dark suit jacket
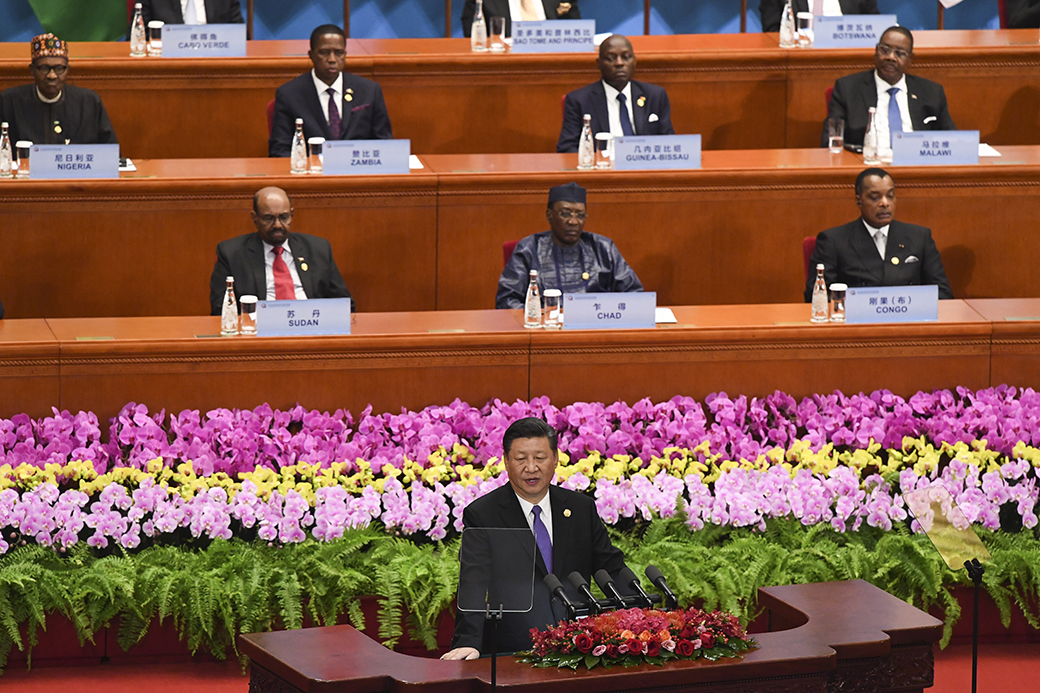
(243, 259)
(169, 11)
(593, 100)
(364, 117)
(580, 542)
(770, 10)
(1, 311)
(1023, 14)
(500, 8)
(854, 94)
(849, 256)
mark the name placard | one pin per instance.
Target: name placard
(849, 31)
(203, 40)
(365, 157)
(892, 304)
(609, 311)
(935, 148)
(657, 152)
(316, 316)
(554, 36)
(50, 161)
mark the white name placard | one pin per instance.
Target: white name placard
(892, 304)
(203, 40)
(936, 148)
(609, 311)
(365, 157)
(316, 316)
(50, 161)
(851, 30)
(657, 152)
(554, 36)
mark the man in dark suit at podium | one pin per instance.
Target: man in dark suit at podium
(771, 10)
(192, 11)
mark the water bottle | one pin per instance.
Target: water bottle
(820, 301)
(298, 152)
(229, 313)
(787, 27)
(870, 140)
(533, 304)
(138, 38)
(586, 150)
(478, 32)
(6, 154)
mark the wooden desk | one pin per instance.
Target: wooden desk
(28, 368)
(1015, 350)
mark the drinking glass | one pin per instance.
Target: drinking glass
(21, 162)
(805, 32)
(247, 305)
(836, 134)
(155, 37)
(316, 159)
(604, 150)
(553, 309)
(498, 34)
(838, 302)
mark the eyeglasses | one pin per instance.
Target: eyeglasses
(885, 49)
(268, 219)
(567, 214)
(44, 70)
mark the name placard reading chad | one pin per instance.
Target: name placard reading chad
(203, 40)
(365, 157)
(554, 36)
(606, 311)
(892, 304)
(850, 31)
(657, 152)
(935, 148)
(50, 161)
(316, 316)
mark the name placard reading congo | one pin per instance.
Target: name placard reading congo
(850, 31)
(203, 40)
(936, 148)
(554, 36)
(892, 304)
(365, 157)
(657, 152)
(50, 161)
(316, 316)
(609, 311)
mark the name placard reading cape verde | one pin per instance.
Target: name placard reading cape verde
(554, 36)
(936, 148)
(316, 316)
(365, 157)
(892, 304)
(609, 311)
(50, 161)
(657, 152)
(203, 40)
(850, 31)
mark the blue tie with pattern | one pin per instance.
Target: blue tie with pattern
(626, 123)
(541, 537)
(895, 120)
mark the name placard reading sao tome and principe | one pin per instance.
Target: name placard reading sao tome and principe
(316, 316)
(936, 148)
(51, 161)
(609, 311)
(663, 152)
(203, 40)
(555, 36)
(365, 157)
(851, 30)
(892, 304)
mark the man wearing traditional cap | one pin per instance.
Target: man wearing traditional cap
(566, 257)
(50, 111)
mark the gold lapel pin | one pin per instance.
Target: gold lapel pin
(348, 97)
(640, 101)
(567, 512)
(895, 261)
(304, 267)
(57, 128)
(584, 275)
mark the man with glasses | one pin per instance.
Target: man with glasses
(566, 257)
(903, 102)
(274, 263)
(50, 111)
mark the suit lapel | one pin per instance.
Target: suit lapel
(601, 121)
(895, 246)
(314, 106)
(863, 245)
(513, 516)
(563, 533)
(640, 113)
(344, 108)
(257, 266)
(300, 257)
(914, 103)
(868, 91)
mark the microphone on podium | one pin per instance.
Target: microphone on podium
(582, 586)
(654, 575)
(629, 578)
(556, 589)
(606, 583)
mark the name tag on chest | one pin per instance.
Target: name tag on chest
(851, 30)
(316, 316)
(936, 148)
(664, 152)
(555, 36)
(50, 161)
(203, 40)
(609, 311)
(366, 157)
(892, 304)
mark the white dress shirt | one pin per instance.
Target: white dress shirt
(200, 10)
(528, 507)
(614, 108)
(881, 113)
(323, 94)
(517, 15)
(290, 261)
(880, 237)
(830, 8)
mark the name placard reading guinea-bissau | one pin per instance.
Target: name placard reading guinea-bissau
(203, 40)
(892, 304)
(365, 157)
(554, 36)
(609, 311)
(657, 152)
(50, 161)
(849, 31)
(316, 316)
(936, 148)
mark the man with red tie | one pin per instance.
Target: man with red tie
(274, 263)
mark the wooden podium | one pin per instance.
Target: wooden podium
(835, 636)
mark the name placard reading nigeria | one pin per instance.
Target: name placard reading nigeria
(316, 316)
(935, 148)
(850, 31)
(203, 40)
(50, 161)
(365, 157)
(555, 36)
(609, 311)
(657, 152)
(892, 304)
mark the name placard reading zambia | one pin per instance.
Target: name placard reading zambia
(609, 311)
(365, 157)
(850, 31)
(50, 161)
(316, 316)
(203, 40)
(892, 304)
(657, 152)
(554, 36)
(935, 148)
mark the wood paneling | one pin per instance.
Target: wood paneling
(28, 368)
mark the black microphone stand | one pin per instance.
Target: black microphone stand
(975, 571)
(492, 617)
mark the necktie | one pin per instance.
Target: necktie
(541, 537)
(527, 11)
(880, 241)
(895, 120)
(334, 121)
(190, 15)
(626, 123)
(284, 289)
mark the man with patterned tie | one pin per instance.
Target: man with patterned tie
(617, 103)
(273, 263)
(333, 104)
(902, 102)
(770, 10)
(568, 533)
(517, 10)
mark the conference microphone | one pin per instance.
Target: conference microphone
(629, 578)
(606, 583)
(579, 583)
(556, 589)
(654, 575)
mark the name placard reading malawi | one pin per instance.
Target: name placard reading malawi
(203, 40)
(316, 316)
(850, 31)
(609, 311)
(51, 161)
(657, 152)
(892, 304)
(936, 148)
(555, 36)
(365, 157)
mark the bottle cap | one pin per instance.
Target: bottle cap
(230, 278)
(137, 5)
(534, 273)
(587, 117)
(819, 266)
(299, 121)
(839, 287)
(3, 124)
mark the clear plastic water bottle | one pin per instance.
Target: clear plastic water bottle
(478, 40)
(787, 28)
(6, 153)
(229, 313)
(298, 151)
(138, 37)
(586, 148)
(820, 301)
(533, 304)
(870, 140)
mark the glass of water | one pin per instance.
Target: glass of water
(498, 34)
(838, 302)
(247, 304)
(604, 150)
(21, 163)
(314, 163)
(553, 309)
(805, 29)
(836, 134)
(155, 38)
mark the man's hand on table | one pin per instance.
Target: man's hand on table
(462, 653)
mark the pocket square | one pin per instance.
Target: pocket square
(653, 118)
(360, 108)
(930, 119)
(912, 258)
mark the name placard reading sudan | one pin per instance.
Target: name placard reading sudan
(316, 316)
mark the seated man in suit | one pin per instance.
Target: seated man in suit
(770, 10)
(877, 250)
(566, 257)
(262, 267)
(192, 11)
(1023, 14)
(519, 10)
(569, 533)
(618, 104)
(902, 101)
(334, 104)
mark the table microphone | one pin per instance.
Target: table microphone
(655, 577)
(582, 586)
(556, 589)
(629, 578)
(606, 583)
